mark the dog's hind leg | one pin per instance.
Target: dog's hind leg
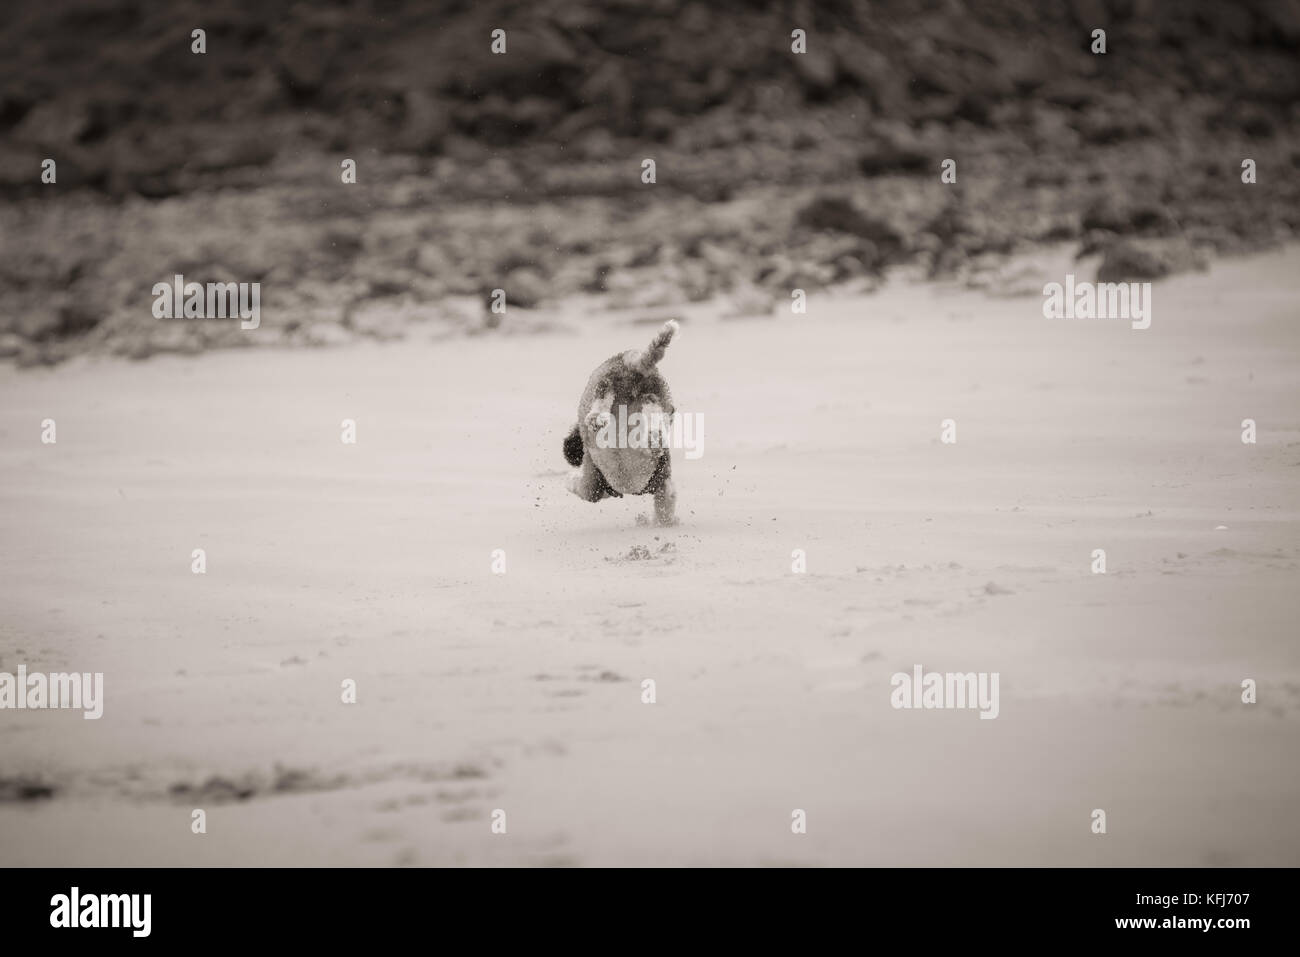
(588, 484)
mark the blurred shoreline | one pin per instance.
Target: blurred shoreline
(521, 172)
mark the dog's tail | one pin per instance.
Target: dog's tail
(658, 345)
(573, 447)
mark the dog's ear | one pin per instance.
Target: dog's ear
(573, 447)
(666, 399)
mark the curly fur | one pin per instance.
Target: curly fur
(631, 380)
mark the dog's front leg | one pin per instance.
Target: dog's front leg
(665, 493)
(666, 503)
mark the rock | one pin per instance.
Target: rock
(749, 302)
(1010, 280)
(695, 279)
(177, 337)
(382, 282)
(629, 291)
(39, 324)
(384, 319)
(1132, 260)
(25, 788)
(816, 69)
(54, 123)
(501, 122)
(78, 315)
(425, 123)
(20, 168)
(231, 151)
(609, 87)
(1089, 14)
(432, 261)
(975, 108)
(1126, 218)
(525, 287)
(880, 80)
(852, 265)
(661, 124)
(595, 144)
(536, 59)
(33, 355)
(887, 157)
(1105, 213)
(304, 60)
(785, 273)
(599, 281)
(340, 244)
(1113, 123)
(1094, 241)
(839, 215)
(59, 316)
(10, 345)
(1071, 93)
(1282, 18)
(325, 334)
(136, 347)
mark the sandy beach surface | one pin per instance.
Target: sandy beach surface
(522, 691)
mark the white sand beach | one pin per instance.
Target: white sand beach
(522, 691)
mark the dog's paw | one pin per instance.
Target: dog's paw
(596, 421)
(663, 521)
(574, 482)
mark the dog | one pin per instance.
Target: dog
(622, 386)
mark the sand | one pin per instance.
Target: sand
(522, 691)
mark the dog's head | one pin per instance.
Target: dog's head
(630, 384)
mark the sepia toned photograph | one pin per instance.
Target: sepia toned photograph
(657, 434)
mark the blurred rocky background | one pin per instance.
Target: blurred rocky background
(522, 171)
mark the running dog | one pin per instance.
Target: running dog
(622, 387)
